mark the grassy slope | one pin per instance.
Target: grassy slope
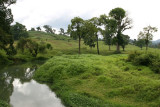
(112, 81)
(62, 46)
(101, 81)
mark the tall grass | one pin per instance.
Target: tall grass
(97, 81)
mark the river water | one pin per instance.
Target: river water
(19, 89)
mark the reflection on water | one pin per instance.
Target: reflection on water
(18, 88)
(33, 94)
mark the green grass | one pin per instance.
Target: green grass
(90, 80)
(62, 46)
(100, 81)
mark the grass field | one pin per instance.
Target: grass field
(100, 81)
(61, 45)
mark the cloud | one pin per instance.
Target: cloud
(58, 13)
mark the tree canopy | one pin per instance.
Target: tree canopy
(75, 29)
(147, 34)
(18, 31)
(6, 18)
(123, 23)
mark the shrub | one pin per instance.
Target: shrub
(133, 55)
(49, 46)
(147, 59)
(156, 66)
(76, 69)
(4, 104)
(42, 48)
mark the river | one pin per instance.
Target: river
(19, 89)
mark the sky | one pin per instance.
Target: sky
(58, 13)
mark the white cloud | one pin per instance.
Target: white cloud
(58, 13)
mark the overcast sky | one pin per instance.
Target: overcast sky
(58, 13)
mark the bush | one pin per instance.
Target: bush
(147, 59)
(42, 48)
(133, 55)
(49, 46)
(4, 104)
(156, 66)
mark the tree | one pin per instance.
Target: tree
(96, 29)
(38, 28)
(140, 43)
(6, 18)
(109, 29)
(125, 41)
(18, 30)
(49, 29)
(75, 29)
(123, 23)
(89, 33)
(33, 47)
(147, 34)
(62, 31)
(33, 29)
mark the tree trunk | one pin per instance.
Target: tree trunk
(146, 47)
(97, 46)
(109, 47)
(118, 47)
(79, 45)
(123, 48)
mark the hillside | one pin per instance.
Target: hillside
(100, 81)
(65, 45)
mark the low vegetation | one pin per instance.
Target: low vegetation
(147, 59)
(100, 81)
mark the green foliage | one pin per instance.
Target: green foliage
(38, 28)
(6, 15)
(155, 66)
(78, 100)
(6, 43)
(41, 47)
(122, 23)
(92, 80)
(3, 58)
(147, 59)
(32, 46)
(62, 31)
(147, 34)
(125, 41)
(117, 13)
(49, 29)
(6, 18)
(4, 104)
(19, 31)
(75, 29)
(76, 69)
(49, 46)
(33, 29)
(140, 43)
(90, 34)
